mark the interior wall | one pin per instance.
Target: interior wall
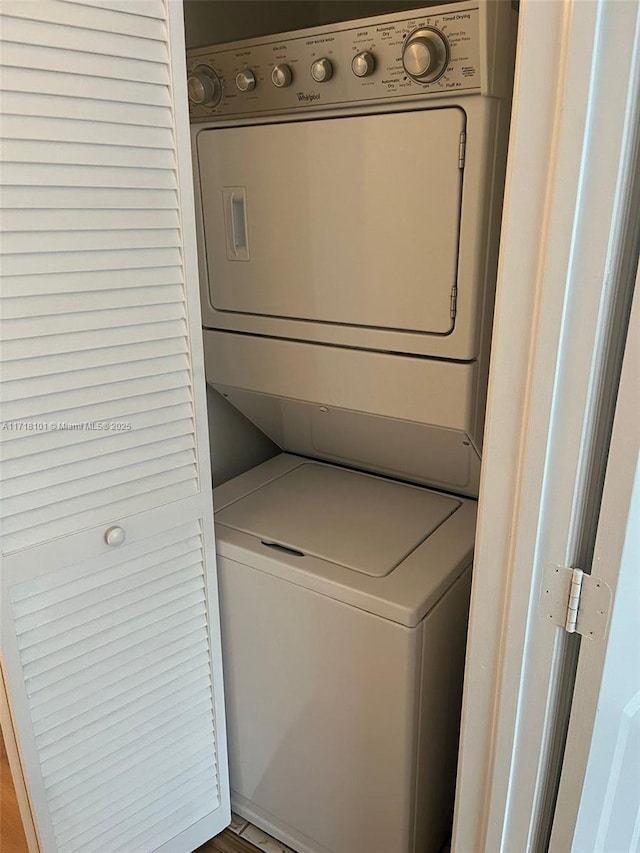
(217, 21)
(236, 444)
(330, 11)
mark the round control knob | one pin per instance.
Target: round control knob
(246, 80)
(281, 76)
(115, 536)
(204, 87)
(363, 64)
(322, 70)
(425, 55)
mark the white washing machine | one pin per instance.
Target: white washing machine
(343, 602)
(348, 191)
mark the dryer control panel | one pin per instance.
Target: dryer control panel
(429, 52)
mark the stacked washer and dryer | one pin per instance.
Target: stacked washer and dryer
(349, 184)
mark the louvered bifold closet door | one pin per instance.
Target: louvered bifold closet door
(110, 640)
(97, 381)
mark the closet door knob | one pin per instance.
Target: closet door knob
(115, 536)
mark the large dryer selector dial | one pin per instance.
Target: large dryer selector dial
(204, 87)
(425, 55)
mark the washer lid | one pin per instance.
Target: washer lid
(358, 521)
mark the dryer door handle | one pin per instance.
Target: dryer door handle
(235, 215)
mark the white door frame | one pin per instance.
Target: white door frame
(564, 268)
(591, 805)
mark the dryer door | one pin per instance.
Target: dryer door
(350, 221)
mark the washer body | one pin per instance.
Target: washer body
(343, 665)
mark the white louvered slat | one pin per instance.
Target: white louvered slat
(63, 764)
(68, 303)
(141, 554)
(29, 598)
(121, 730)
(158, 422)
(48, 514)
(127, 808)
(87, 198)
(76, 471)
(128, 814)
(98, 280)
(137, 694)
(39, 151)
(73, 702)
(54, 175)
(33, 81)
(25, 221)
(100, 483)
(74, 400)
(125, 727)
(75, 15)
(51, 34)
(111, 654)
(38, 264)
(45, 447)
(158, 590)
(157, 759)
(22, 242)
(130, 499)
(93, 133)
(91, 378)
(84, 109)
(50, 668)
(193, 804)
(66, 362)
(189, 813)
(187, 682)
(139, 8)
(85, 64)
(61, 612)
(83, 341)
(62, 666)
(137, 651)
(18, 328)
(100, 375)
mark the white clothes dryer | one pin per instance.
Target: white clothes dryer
(348, 227)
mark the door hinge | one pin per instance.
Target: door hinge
(454, 302)
(578, 602)
(462, 148)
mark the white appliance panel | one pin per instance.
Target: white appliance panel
(364, 523)
(411, 418)
(351, 220)
(406, 595)
(380, 42)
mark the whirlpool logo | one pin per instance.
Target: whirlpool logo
(307, 97)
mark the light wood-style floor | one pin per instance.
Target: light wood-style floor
(12, 838)
(227, 842)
